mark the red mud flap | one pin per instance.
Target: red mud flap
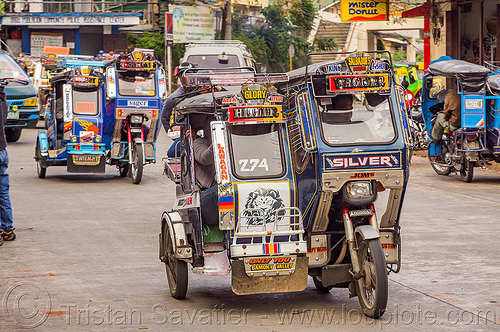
(242, 284)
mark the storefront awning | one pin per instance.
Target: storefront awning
(421, 10)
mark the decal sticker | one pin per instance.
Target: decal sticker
(226, 203)
(229, 100)
(226, 187)
(255, 113)
(223, 166)
(68, 126)
(88, 126)
(86, 136)
(362, 161)
(254, 92)
(268, 197)
(271, 248)
(359, 82)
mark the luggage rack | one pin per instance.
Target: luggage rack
(288, 224)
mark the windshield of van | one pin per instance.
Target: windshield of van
(213, 61)
(10, 69)
(85, 101)
(137, 83)
(256, 151)
(347, 120)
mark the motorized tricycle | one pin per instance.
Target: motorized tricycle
(76, 120)
(256, 230)
(345, 152)
(296, 194)
(135, 91)
(465, 148)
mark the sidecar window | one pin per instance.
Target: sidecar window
(136, 83)
(256, 151)
(366, 122)
(85, 101)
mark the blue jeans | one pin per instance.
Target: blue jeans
(5, 207)
(176, 145)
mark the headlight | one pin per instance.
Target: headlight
(358, 193)
(30, 102)
(98, 139)
(358, 189)
(73, 139)
(136, 118)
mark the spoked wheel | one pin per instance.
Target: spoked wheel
(439, 169)
(318, 282)
(467, 170)
(40, 170)
(123, 170)
(137, 163)
(372, 287)
(177, 271)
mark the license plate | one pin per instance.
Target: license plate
(86, 159)
(473, 104)
(270, 265)
(13, 115)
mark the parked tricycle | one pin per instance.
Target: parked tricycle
(465, 148)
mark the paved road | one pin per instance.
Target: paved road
(86, 259)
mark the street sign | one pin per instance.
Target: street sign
(169, 29)
(291, 51)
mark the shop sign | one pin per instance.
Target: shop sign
(78, 19)
(191, 23)
(364, 10)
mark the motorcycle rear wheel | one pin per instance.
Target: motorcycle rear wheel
(467, 170)
(372, 288)
(441, 170)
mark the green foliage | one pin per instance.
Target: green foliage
(302, 15)
(399, 55)
(323, 44)
(286, 23)
(420, 57)
(154, 41)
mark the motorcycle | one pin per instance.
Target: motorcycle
(345, 155)
(465, 148)
(135, 92)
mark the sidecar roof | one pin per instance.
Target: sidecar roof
(472, 77)
(494, 84)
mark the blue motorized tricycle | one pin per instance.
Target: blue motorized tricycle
(135, 91)
(76, 120)
(465, 148)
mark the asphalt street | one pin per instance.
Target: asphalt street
(86, 259)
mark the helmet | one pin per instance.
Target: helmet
(182, 68)
(437, 87)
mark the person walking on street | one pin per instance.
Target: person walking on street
(6, 223)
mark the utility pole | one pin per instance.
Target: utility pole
(226, 29)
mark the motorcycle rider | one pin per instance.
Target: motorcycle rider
(450, 118)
